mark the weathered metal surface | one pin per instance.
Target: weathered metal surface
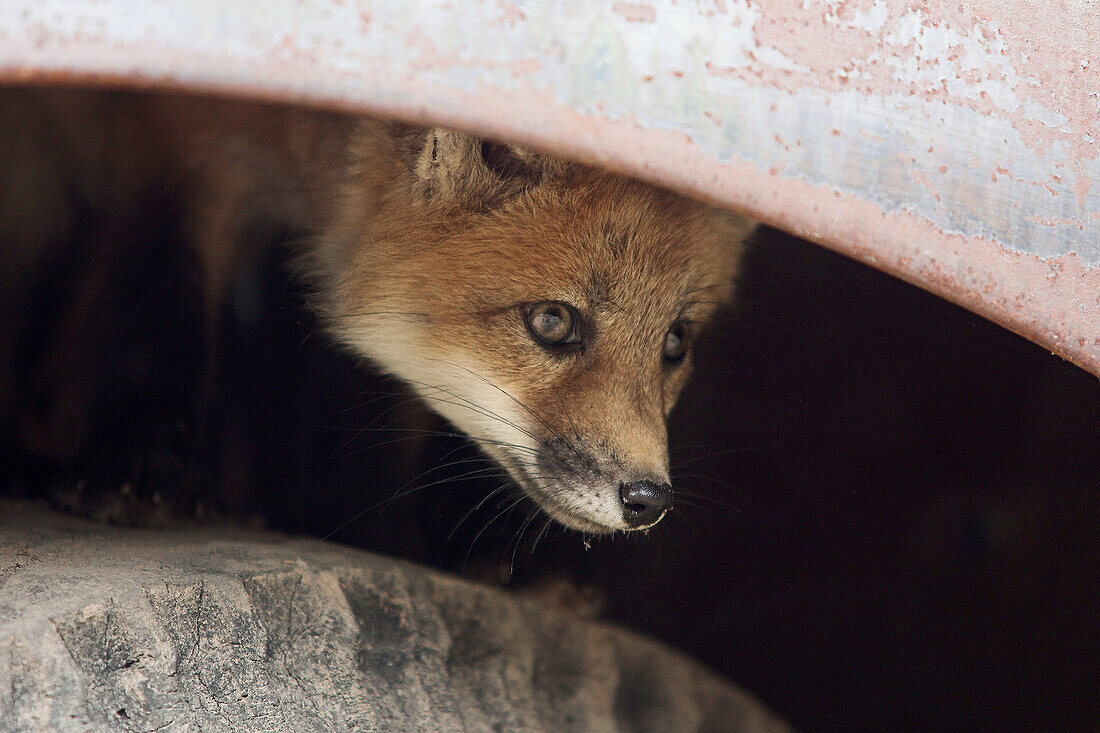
(952, 144)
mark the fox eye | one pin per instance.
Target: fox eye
(676, 343)
(553, 323)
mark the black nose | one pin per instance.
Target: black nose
(644, 502)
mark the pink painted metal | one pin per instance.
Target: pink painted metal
(954, 145)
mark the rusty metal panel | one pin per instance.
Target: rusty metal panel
(952, 144)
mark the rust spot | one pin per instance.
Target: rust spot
(636, 12)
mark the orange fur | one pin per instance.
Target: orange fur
(426, 248)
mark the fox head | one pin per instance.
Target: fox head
(544, 308)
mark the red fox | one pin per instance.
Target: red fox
(545, 308)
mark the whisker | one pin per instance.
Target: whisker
(705, 500)
(409, 399)
(553, 431)
(476, 508)
(375, 396)
(713, 479)
(703, 507)
(415, 433)
(497, 516)
(696, 457)
(542, 533)
(473, 406)
(519, 539)
(493, 470)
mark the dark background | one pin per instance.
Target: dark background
(887, 507)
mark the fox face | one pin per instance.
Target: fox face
(545, 309)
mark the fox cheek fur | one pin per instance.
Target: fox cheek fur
(444, 245)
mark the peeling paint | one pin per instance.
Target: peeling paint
(952, 144)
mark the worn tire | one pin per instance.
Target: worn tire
(221, 629)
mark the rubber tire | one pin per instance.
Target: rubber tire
(103, 628)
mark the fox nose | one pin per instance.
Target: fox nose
(644, 502)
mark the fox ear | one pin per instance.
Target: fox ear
(455, 170)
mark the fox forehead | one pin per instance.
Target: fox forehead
(606, 241)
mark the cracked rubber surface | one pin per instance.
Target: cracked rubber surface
(222, 629)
